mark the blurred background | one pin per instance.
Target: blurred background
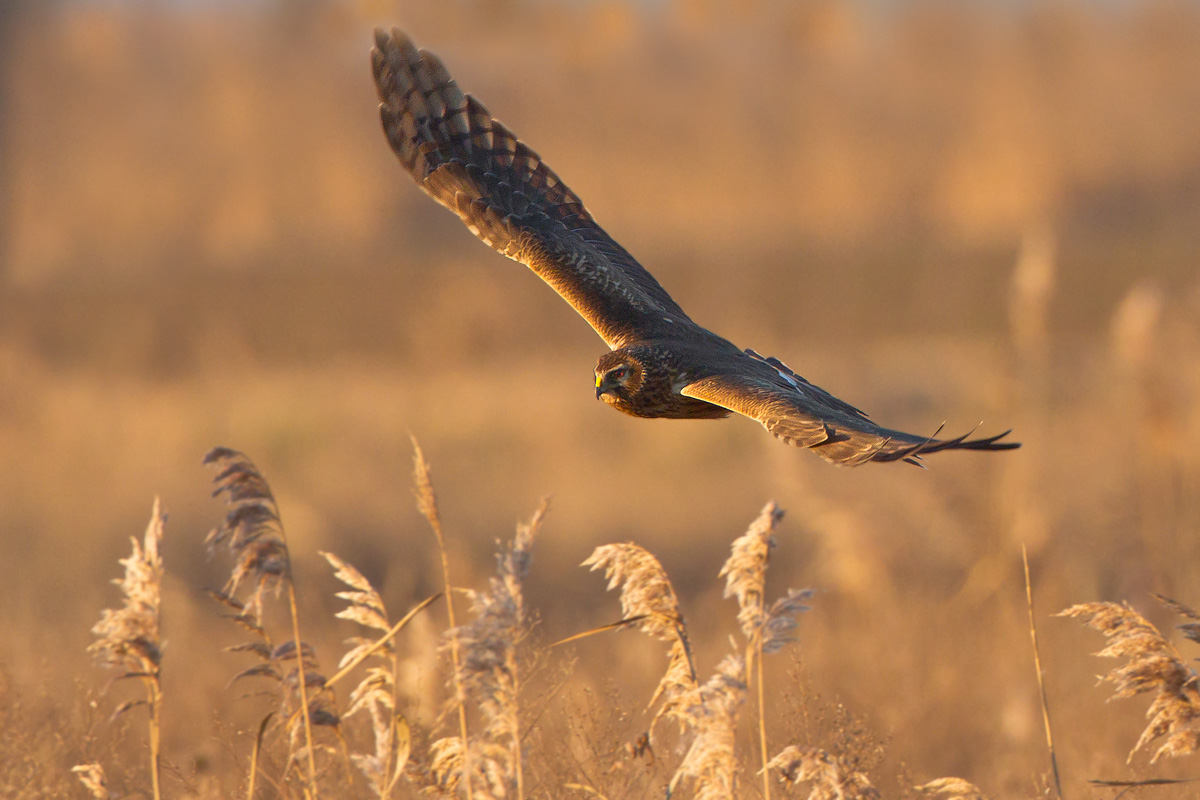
(938, 211)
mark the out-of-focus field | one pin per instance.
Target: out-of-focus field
(937, 211)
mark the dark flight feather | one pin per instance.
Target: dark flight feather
(805, 415)
(473, 165)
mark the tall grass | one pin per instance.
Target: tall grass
(253, 532)
(485, 662)
(427, 504)
(706, 754)
(130, 638)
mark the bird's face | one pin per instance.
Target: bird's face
(617, 378)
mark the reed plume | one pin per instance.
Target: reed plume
(745, 571)
(93, 779)
(376, 693)
(448, 763)
(829, 777)
(648, 602)
(710, 712)
(253, 532)
(952, 789)
(766, 630)
(489, 675)
(1154, 665)
(428, 506)
(130, 638)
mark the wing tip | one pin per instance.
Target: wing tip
(912, 454)
(906, 448)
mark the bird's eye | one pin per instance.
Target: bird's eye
(620, 372)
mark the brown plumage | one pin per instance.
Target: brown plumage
(662, 364)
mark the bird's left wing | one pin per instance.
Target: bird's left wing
(473, 165)
(805, 415)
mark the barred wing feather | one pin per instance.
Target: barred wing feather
(508, 197)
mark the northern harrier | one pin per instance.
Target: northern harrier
(662, 364)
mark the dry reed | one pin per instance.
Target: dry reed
(489, 676)
(1041, 680)
(377, 692)
(766, 630)
(649, 603)
(952, 789)
(830, 777)
(253, 532)
(487, 673)
(427, 505)
(710, 712)
(130, 638)
(252, 529)
(277, 663)
(93, 779)
(1154, 665)
(771, 629)
(707, 711)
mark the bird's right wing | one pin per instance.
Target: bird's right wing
(805, 415)
(473, 165)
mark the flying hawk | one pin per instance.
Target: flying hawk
(662, 364)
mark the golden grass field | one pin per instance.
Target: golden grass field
(938, 212)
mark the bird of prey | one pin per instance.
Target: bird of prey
(661, 363)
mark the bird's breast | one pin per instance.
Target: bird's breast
(663, 402)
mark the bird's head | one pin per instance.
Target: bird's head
(618, 377)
